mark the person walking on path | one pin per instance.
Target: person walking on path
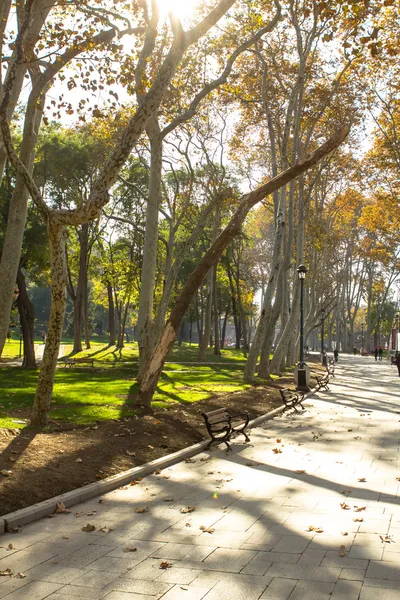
(354, 350)
(376, 354)
(397, 362)
(380, 353)
(336, 354)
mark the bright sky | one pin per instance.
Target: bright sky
(181, 8)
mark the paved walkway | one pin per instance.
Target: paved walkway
(309, 510)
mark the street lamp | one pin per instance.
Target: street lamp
(302, 376)
(323, 355)
(362, 338)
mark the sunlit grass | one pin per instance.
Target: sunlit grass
(83, 395)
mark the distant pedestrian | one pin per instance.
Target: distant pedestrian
(397, 362)
(336, 354)
(376, 353)
(44, 337)
(354, 350)
(380, 353)
(9, 336)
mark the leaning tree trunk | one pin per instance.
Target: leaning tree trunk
(58, 265)
(149, 380)
(27, 319)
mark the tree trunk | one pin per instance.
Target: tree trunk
(58, 265)
(86, 315)
(154, 367)
(258, 341)
(217, 344)
(27, 319)
(79, 303)
(205, 338)
(224, 324)
(149, 266)
(16, 219)
(111, 314)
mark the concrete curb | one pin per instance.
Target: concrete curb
(37, 511)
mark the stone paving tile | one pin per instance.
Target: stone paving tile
(312, 591)
(353, 574)
(95, 579)
(73, 591)
(239, 590)
(36, 590)
(368, 593)
(346, 590)
(279, 589)
(383, 570)
(312, 557)
(179, 592)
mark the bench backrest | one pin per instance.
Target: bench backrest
(213, 417)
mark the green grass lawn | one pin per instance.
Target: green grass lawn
(82, 395)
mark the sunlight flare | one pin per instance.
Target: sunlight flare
(180, 8)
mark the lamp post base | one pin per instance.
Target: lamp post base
(302, 378)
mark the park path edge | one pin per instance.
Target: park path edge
(13, 520)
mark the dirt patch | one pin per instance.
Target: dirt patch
(42, 465)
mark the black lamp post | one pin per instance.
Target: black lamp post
(302, 383)
(362, 338)
(323, 355)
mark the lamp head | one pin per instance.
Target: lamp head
(302, 270)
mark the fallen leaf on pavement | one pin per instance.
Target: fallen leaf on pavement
(358, 520)
(277, 451)
(188, 509)
(190, 460)
(361, 479)
(130, 549)
(20, 575)
(316, 529)
(300, 471)
(359, 508)
(6, 573)
(60, 508)
(342, 551)
(10, 547)
(157, 472)
(88, 527)
(129, 453)
(345, 533)
(142, 509)
(135, 482)
(165, 565)
(79, 513)
(206, 529)
(279, 440)
(105, 529)
(386, 539)
(345, 506)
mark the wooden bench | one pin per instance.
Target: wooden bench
(322, 381)
(72, 362)
(291, 398)
(330, 368)
(222, 425)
